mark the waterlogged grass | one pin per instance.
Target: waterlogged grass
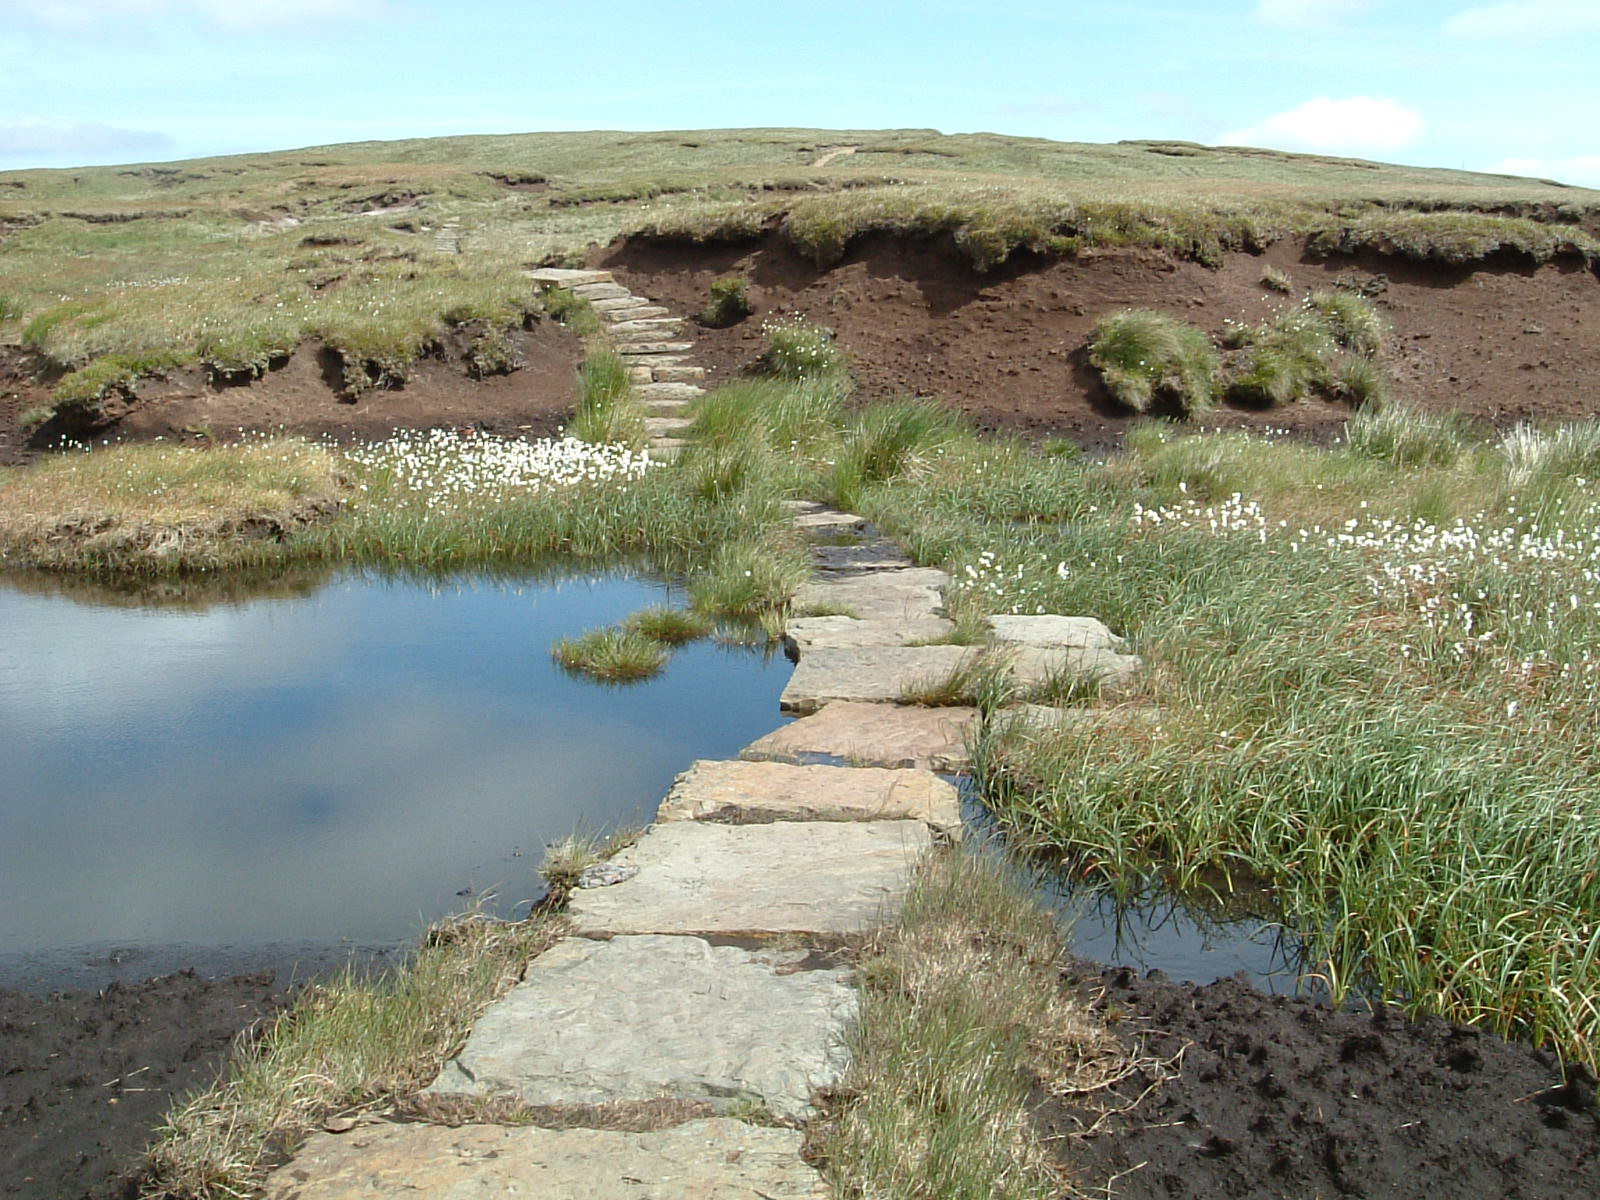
(352, 1046)
(160, 508)
(962, 1022)
(1379, 687)
(612, 655)
(670, 626)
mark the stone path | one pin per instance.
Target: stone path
(650, 340)
(705, 980)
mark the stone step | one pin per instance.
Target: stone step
(666, 449)
(1084, 633)
(567, 276)
(882, 674)
(635, 349)
(601, 291)
(662, 426)
(821, 878)
(716, 1159)
(802, 635)
(621, 336)
(670, 391)
(871, 675)
(629, 305)
(652, 1017)
(872, 735)
(660, 326)
(753, 793)
(826, 522)
(655, 361)
(666, 408)
(676, 374)
(645, 311)
(880, 554)
(640, 375)
(883, 595)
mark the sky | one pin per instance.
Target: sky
(1502, 85)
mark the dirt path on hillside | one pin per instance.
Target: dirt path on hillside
(1506, 342)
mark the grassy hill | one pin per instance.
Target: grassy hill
(376, 248)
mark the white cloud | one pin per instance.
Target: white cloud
(1297, 14)
(1356, 125)
(1525, 19)
(36, 138)
(1583, 169)
(92, 15)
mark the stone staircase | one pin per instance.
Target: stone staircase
(650, 340)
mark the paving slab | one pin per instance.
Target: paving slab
(879, 554)
(669, 391)
(568, 276)
(716, 1159)
(659, 426)
(601, 291)
(826, 877)
(873, 735)
(801, 635)
(642, 311)
(1081, 632)
(872, 674)
(824, 521)
(649, 1017)
(880, 595)
(752, 793)
(659, 326)
(630, 304)
(680, 374)
(1110, 673)
(630, 349)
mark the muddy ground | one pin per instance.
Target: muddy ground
(1508, 341)
(85, 1077)
(1274, 1097)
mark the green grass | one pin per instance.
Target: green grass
(962, 1024)
(1326, 344)
(607, 412)
(196, 259)
(1143, 356)
(1384, 713)
(884, 441)
(800, 350)
(612, 655)
(670, 626)
(729, 302)
(353, 1045)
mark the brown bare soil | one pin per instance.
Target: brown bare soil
(85, 1078)
(1277, 1097)
(1506, 340)
(303, 394)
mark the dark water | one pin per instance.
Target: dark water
(1197, 938)
(280, 778)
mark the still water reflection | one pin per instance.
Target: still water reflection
(334, 767)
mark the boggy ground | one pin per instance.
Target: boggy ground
(85, 1078)
(1506, 340)
(304, 394)
(1276, 1096)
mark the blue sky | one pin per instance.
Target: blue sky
(1508, 85)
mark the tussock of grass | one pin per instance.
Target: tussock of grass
(771, 412)
(1142, 355)
(1327, 343)
(607, 413)
(962, 1017)
(729, 302)
(980, 679)
(799, 349)
(886, 440)
(612, 655)
(565, 860)
(159, 508)
(351, 1045)
(1407, 436)
(745, 579)
(669, 626)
